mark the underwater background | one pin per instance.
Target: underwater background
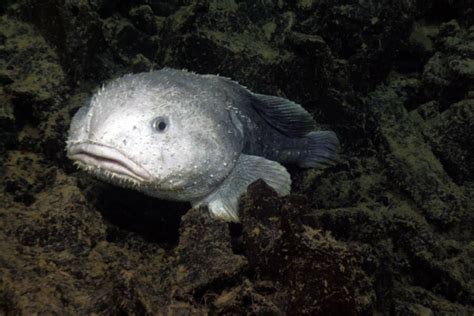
(388, 231)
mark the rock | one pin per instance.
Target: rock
(318, 274)
(33, 66)
(7, 125)
(5, 79)
(141, 64)
(450, 135)
(246, 297)
(143, 19)
(413, 166)
(204, 255)
(449, 74)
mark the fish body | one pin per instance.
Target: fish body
(178, 135)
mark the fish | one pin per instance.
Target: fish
(202, 138)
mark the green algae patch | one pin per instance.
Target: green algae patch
(305, 4)
(226, 5)
(268, 29)
(247, 44)
(412, 162)
(179, 19)
(35, 69)
(423, 34)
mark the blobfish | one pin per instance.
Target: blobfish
(177, 135)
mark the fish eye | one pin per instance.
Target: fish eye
(160, 124)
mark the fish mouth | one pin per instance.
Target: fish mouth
(98, 156)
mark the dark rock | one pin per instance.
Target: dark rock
(73, 29)
(7, 125)
(202, 241)
(5, 79)
(449, 74)
(105, 8)
(450, 135)
(141, 64)
(248, 297)
(428, 110)
(413, 167)
(143, 19)
(280, 247)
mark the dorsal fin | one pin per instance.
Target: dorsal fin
(286, 116)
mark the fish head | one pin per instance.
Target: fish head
(154, 138)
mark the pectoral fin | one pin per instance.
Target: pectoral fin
(223, 203)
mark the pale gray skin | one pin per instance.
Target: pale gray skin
(177, 135)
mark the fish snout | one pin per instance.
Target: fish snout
(108, 158)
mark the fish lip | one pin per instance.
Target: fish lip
(108, 158)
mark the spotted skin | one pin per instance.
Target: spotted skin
(178, 135)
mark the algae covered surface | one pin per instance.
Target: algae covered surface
(387, 231)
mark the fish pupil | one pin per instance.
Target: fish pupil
(160, 124)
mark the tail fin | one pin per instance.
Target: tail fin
(322, 150)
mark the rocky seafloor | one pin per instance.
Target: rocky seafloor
(388, 231)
